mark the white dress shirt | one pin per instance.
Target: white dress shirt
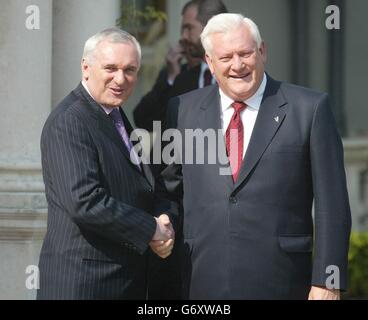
(107, 110)
(248, 115)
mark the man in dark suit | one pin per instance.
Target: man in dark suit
(249, 234)
(173, 80)
(177, 78)
(101, 201)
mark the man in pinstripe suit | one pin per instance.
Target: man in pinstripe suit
(104, 212)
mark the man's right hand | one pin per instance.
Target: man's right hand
(164, 229)
(173, 59)
(163, 240)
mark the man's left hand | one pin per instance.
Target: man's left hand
(320, 293)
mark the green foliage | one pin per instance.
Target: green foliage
(133, 19)
(358, 265)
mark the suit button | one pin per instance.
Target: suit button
(233, 200)
(150, 190)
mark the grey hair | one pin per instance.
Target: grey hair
(113, 35)
(223, 23)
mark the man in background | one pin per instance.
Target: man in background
(193, 74)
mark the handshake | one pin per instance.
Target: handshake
(162, 242)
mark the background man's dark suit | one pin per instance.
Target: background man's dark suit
(100, 207)
(165, 281)
(186, 81)
(153, 106)
(254, 239)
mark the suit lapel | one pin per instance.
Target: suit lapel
(270, 117)
(210, 118)
(106, 125)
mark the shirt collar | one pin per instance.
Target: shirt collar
(107, 110)
(204, 67)
(254, 102)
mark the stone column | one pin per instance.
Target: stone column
(38, 67)
(174, 9)
(73, 23)
(25, 95)
(356, 164)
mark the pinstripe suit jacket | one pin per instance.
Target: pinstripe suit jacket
(100, 207)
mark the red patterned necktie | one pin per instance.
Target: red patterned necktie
(235, 139)
(207, 78)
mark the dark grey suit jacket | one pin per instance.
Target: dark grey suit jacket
(153, 106)
(100, 207)
(254, 239)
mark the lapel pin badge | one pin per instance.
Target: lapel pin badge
(277, 119)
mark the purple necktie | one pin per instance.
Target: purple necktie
(119, 125)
